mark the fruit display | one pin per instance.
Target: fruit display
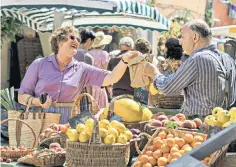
(129, 110)
(110, 132)
(221, 118)
(54, 156)
(167, 145)
(174, 122)
(53, 128)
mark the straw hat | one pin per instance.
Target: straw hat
(101, 39)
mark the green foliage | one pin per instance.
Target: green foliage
(209, 16)
(10, 27)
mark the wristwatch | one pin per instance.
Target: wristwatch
(124, 61)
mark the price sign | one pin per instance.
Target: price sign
(81, 118)
(141, 95)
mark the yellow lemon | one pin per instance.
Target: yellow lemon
(113, 123)
(122, 139)
(128, 134)
(89, 123)
(113, 131)
(104, 124)
(103, 132)
(80, 127)
(84, 137)
(109, 139)
(119, 127)
(72, 135)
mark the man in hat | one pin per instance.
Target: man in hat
(122, 86)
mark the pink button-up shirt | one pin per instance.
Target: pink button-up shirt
(44, 76)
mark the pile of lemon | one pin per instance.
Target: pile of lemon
(110, 132)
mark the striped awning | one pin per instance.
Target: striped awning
(83, 13)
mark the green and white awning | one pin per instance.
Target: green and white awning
(83, 13)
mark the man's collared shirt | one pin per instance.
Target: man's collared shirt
(203, 81)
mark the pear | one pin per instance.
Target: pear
(216, 110)
(223, 116)
(72, 135)
(109, 139)
(211, 121)
(122, 139)
(232, 113)
(227, 124)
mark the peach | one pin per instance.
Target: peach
(196, 144)
(188, 138)
(170, 136)
(144, 159)
(173, 150)
(176, 155)
(198, 139)
(198, 122)
(152, 161)
(166, 155)
(149, 153)
(181, 117)
(194, 126)
(187, 149)
(158, 143)
(157, 154)
(162, 135)
(162, 161)
(165, 148)
(138, 164)
(181, 142)
(182, 152)
(176, 145)
(169, 158)
(170, 142)
(174, 159)
(147, 165)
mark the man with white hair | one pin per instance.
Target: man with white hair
(208, 76)
(123, 85)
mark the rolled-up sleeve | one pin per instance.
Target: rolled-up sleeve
(93, 76)
(175, 83)
(29, 82)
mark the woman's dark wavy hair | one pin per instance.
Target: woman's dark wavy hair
(174, 49)
(86, 34)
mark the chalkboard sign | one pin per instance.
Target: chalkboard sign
(141, 95)
(81, 118)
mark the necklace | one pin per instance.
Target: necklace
(60, 63)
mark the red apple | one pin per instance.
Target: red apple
(181, 117)
(162, 117)
(8, 160)
(198, 122)
(164, 122)
(156, 123)
(174, 119)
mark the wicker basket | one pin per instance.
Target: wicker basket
(45, 157)
(214, 162)
(95, 153)
(13, 154)
(55, 137)
(171, 102)
(136, 125)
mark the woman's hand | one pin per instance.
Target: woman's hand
(130, 55)
(47, 104)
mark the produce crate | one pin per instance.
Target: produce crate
(212, 161)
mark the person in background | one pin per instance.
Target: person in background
(123, 85)
(62, 77)
(82, 55)
(173, 49)
(101, 59)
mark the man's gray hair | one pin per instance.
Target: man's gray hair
(200, 27)
(127, 41)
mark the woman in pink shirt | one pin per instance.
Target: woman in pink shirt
(101, 59)
(62, 77)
